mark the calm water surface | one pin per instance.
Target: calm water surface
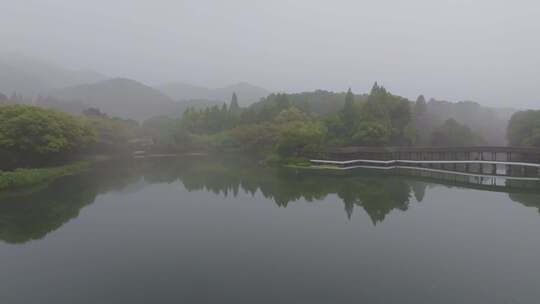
(196, 230)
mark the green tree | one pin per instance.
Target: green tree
(524, 128)
(234, 107)
(336, 130)
(292, 114)
(273, 105)
(390, 115)
(421, 122)
(37, 135)
(452, 133)
(348, 113)
(255, 137)
(299, 136)
(372, 133)
(420, 106)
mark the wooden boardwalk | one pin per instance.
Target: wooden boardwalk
(478, 160)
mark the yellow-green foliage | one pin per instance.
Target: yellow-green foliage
(28, 177)
(524, 128)
(34, 133)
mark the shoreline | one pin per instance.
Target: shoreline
(27, 177)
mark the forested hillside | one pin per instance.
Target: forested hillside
(490, 123)
(284, 126)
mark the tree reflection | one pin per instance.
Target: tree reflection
(526, 199)
(34, 213)
(377, 195)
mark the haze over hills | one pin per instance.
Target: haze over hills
(121, 97)
(29, 76)
(247, 93)
(73, 91)
(490, 122)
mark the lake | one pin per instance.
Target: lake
(204, 230)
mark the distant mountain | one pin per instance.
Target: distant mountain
(29, 76)
(247, 93)
(120, 97)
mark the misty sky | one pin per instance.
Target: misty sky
(483, 50)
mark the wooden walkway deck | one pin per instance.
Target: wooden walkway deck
(480, 160)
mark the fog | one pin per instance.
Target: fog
(482, 50)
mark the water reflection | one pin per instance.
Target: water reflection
(32, 214)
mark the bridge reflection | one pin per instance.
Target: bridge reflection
(32, 214)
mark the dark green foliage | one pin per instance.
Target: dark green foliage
(418, 130)
(267, 109)
(524, 128)
(336, 130)
(210, 120)
(452, 133)
(420, 106)
(382, 119)
(348, 113)
(234, 107)
(290, 124)
(259, 137)
(390, 112)
(318, 102)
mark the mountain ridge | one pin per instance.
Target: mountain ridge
(247, 93)
(122, 97)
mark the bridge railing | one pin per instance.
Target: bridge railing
(479, 153)
(505, 161)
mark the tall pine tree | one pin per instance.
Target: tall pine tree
(348, 113)
(420, 107)
(234, 107)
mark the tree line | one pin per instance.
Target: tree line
(279, 126)
(285, 125)
(32, 136)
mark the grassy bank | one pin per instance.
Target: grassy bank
(31, 177)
